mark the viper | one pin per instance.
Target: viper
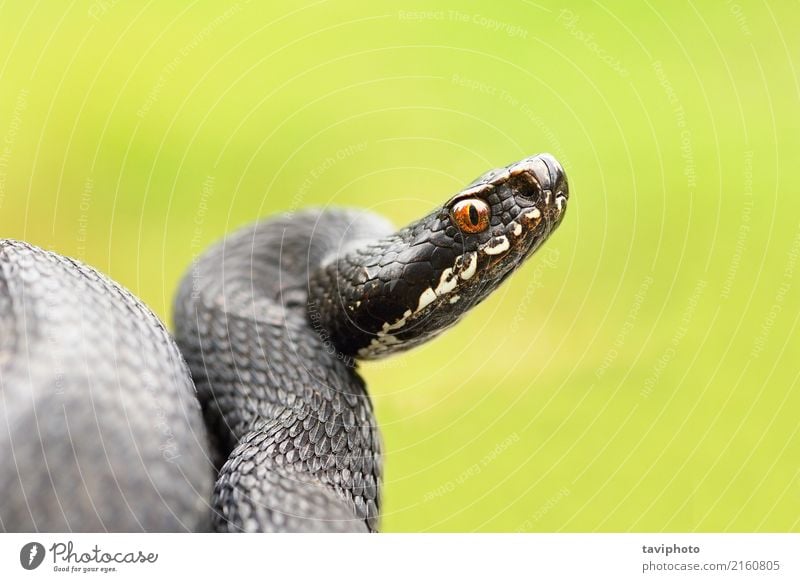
(271, 427)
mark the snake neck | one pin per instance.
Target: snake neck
(296, 440)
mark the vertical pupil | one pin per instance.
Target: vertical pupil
(473, 215)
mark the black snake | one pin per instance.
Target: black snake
(101, 427)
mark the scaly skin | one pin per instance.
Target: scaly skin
(270, 319)
(99, 425)
(308, 454)
(100, 429)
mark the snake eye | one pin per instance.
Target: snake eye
(471, 215)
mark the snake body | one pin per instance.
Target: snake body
(100, 429)
(271, 321)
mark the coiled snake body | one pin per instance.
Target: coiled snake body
(270, 322)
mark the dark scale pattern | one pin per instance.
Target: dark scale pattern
(270, 319)
(373, 285)
(100, 429)
(307, 449)
(382, 282)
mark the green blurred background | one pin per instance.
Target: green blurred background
(639, 374)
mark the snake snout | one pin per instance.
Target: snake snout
(559, 188)
(558, 177)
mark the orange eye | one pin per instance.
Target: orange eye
(471, 215)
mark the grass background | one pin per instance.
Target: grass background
(639, 374)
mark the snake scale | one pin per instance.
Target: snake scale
(254, 418)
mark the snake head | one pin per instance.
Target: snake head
(401, 290)
(517, 207)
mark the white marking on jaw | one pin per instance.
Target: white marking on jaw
(447, 282)
(472, 266)
(560, 200)
(387, 327)
(516, 228)
(428, 296)
(547, 196)
(533, 214)
(455, 298)
(383, 338)
(499, 245)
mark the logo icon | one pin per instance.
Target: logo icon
(31, 555)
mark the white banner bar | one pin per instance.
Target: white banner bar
(231, 558)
